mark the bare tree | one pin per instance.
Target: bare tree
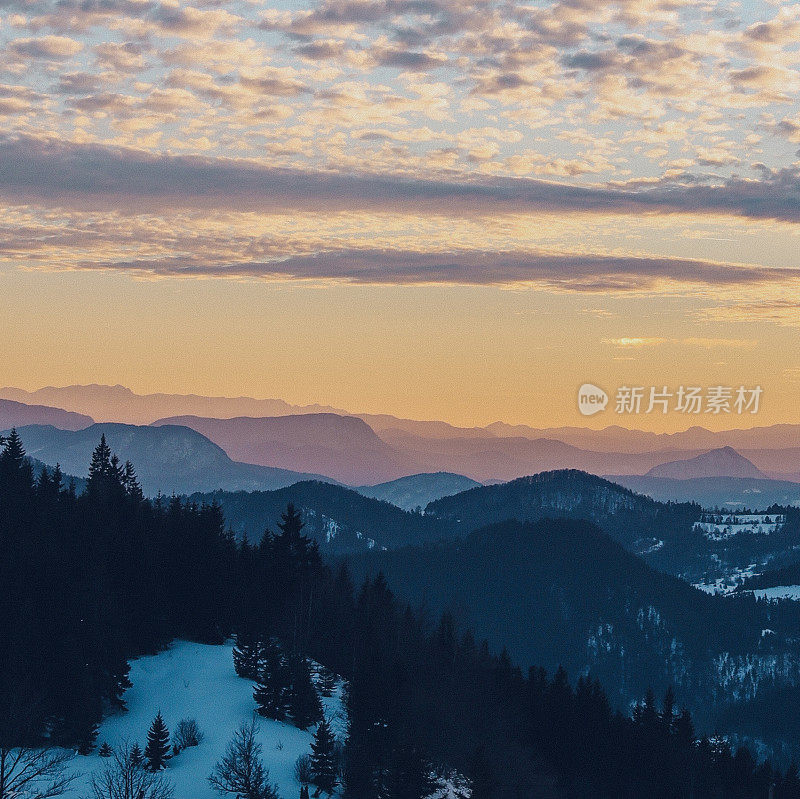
(187, 734)
(34, 773)
(27, 770)
(241, 771)
(126, 778)
(302, 770)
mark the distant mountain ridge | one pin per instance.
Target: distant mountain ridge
(714, 492)
(18, 414)
(722, 462)
(419, 490)
(344, 447)
(120, 404)
(382, 448)
(167, 459)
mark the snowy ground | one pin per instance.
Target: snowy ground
(779, 592)
(728, 582)
(198, 681)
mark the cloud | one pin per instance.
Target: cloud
(320, 50)
(127, 57)
(785, 312)
(16, 100)
(196, 22)
(57, 173)
(634, 343)
(407, 59)
(57, 48)
(564, 272)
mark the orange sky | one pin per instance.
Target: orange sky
(465, 355)
(451, 210)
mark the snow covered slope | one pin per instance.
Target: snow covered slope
(198, 681)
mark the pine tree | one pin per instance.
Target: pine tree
(304, 705)
(86, 739)
(668, 711)
(323, 758)
(272, 691)
(131, 484)
(100, 464)
(13, 452)
(246, 656)
(156, 752)
(136, 757)
(327, 682)
(291, 546)
(16, 474)
(105, 750)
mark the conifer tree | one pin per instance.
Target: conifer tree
(130, 482)
(87, 737)
(304, 705)
(13, 452)
(100, 464)
(272, 691)
(156, 752)
(247, 656)
(135, 755)
(327, 682)
(323, 758)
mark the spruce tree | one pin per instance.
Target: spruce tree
(247, 656)
(135, 756)
(304, 705)
(272, 691)
(323, 758)
(327, 682)
(156, 752)
(86, 738)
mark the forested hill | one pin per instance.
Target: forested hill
(563, 592)
(661, 532)
(339, 519)
(88, 581)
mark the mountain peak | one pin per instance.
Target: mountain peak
(721, 462)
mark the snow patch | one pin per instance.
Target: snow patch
(198, 681)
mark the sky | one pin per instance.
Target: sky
(432, 208)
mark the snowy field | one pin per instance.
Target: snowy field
(198, 681)
(778, 592)
(718, 527)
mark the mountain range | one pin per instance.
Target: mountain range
(345, 448)
(368, 451)
(168, 459)
(562, 592)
